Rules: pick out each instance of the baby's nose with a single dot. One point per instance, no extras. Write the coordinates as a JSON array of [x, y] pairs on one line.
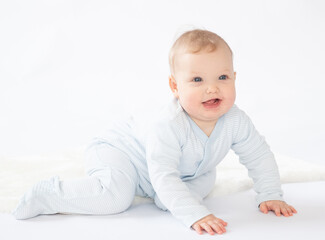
[[212, 89]]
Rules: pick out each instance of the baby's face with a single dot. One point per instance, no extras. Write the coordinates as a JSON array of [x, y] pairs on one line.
[[204, 83]]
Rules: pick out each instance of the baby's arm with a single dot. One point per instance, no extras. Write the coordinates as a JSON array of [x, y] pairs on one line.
[[201, 187], [163, 152], [257, 157]]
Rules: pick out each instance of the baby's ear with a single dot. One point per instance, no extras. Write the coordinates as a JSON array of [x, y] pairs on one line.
[[173, 85], [235, 75]]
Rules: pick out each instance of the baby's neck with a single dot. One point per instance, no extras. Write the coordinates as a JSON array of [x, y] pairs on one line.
[[206, 127]]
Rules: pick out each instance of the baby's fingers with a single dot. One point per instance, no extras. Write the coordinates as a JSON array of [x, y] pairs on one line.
[[222, 222], [285, 212], [277, 211], [218, 227], [207, 228], [290, 210], [197, 228], [263, 208], [293, 209]]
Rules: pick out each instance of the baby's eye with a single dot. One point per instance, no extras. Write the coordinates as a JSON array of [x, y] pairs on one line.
[[197, 79], [223, 77]]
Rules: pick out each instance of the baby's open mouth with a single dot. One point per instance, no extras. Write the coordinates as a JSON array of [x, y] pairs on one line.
[[211, 101]]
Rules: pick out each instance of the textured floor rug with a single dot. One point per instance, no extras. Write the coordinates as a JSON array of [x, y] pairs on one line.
[[18, 174]]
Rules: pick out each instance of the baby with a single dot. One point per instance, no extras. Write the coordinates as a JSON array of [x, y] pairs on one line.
[[171, 157]]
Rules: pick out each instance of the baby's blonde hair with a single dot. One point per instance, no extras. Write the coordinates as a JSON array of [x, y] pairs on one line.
[[194, 41]]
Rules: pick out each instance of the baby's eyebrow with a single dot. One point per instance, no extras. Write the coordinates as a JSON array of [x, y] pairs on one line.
[[226, 70]]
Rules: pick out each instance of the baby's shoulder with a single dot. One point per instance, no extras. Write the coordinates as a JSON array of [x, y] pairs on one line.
[[234, 113], [169, 116], [236, 117]]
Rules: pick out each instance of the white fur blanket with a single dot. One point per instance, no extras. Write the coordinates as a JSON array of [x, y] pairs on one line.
[[18, 174]]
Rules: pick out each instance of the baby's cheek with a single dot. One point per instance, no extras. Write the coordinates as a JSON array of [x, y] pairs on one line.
[[230, 95], [192, 103], [186, 98]]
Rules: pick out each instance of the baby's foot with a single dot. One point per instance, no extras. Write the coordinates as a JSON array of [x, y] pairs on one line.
[[38, 200]]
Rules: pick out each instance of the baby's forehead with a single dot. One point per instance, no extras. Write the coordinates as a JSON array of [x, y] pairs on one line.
[[201, 62], [222, 47], [221, 53]]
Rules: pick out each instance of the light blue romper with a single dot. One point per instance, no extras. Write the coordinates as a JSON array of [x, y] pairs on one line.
[[164, 156]]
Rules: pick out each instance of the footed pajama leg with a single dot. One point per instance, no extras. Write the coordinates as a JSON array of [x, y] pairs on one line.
[[109, 187]]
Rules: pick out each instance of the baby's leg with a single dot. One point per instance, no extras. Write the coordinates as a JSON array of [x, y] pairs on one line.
[[109, 188]]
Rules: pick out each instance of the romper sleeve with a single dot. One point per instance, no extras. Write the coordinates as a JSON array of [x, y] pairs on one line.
[[163, 152], [255, 154]]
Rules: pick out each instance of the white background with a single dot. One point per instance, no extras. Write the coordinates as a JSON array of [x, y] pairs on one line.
[[67, 68]]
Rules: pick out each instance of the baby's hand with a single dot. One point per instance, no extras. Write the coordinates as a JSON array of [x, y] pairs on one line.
[[211, 224], [278, 207]]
